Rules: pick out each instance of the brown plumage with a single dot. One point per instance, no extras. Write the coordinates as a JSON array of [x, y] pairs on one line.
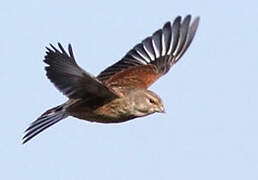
[[120, 92]]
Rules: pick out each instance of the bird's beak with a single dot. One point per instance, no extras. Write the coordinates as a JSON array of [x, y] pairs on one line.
[[162, 110]]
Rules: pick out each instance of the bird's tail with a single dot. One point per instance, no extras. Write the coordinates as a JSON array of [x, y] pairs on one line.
[[47, 119]]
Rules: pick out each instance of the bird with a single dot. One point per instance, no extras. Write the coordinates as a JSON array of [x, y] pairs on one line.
[[120, 92]]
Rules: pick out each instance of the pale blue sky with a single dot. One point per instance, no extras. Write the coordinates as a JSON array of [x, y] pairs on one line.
[[211, 96]]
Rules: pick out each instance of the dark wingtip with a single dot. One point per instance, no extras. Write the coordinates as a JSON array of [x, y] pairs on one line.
[[167, 25], [24, 141], [59, 44], [178, 19], [188, 16], [187, 20], [48, 49], [197, 18], [70, 50], [24, 138], [53, 47], [196, 22]]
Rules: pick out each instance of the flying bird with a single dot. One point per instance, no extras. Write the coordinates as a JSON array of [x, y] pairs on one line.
[[120, 92]]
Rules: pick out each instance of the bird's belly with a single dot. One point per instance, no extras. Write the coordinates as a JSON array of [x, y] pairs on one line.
[[111, 112], [100, 118]]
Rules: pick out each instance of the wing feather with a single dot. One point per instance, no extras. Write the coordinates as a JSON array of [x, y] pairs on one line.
[[156, 53], [71, 79]]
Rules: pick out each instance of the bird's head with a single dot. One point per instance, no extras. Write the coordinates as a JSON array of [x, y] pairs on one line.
[[146, 102]]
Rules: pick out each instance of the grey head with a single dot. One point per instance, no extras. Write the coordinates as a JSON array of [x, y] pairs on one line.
[[145, 102]]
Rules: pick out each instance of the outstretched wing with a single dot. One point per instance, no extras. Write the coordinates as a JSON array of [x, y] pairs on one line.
[[69, 78], [153, 57]]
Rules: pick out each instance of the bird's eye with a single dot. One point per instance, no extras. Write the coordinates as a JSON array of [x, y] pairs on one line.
[[152, 101]]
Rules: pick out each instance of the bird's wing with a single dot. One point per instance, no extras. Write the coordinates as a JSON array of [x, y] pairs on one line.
[[153, 57], [70, 78]]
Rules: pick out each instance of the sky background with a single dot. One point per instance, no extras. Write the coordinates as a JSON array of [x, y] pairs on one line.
[[211, 95]]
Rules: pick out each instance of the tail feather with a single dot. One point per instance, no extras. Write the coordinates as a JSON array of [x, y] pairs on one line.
[[47, 119]]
